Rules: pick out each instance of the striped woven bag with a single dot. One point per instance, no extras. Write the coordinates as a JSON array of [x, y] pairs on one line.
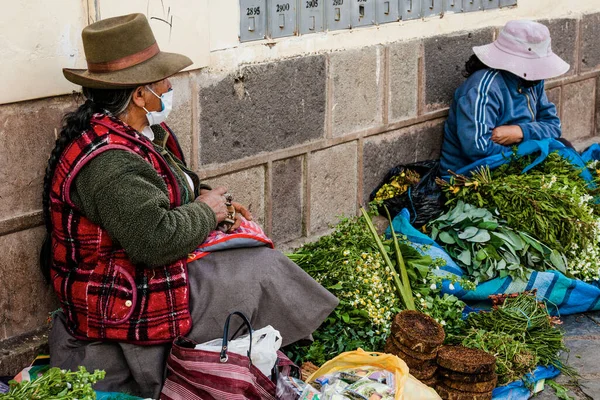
[[199, 374]]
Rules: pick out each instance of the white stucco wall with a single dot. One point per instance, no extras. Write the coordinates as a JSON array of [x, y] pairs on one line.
[[40, 37]]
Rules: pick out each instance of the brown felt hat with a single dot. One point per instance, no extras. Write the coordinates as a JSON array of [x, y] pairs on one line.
[[121, 52]]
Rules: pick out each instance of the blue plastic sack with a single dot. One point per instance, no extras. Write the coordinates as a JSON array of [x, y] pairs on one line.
[[518, 390], [563, 295], [544, 148]]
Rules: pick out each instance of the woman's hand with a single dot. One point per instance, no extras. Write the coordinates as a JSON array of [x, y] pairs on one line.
[[216, 200], [507, 135], [240, 211]]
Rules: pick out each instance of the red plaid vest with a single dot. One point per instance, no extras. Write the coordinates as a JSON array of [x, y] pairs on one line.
[[103, 294]]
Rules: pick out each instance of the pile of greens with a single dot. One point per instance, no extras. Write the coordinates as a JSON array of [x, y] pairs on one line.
[[520, 333], [551, 202], [374, 279], [486, 248], [56, 384]]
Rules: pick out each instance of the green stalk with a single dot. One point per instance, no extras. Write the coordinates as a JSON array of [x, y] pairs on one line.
[[387, 260], [401, 265]]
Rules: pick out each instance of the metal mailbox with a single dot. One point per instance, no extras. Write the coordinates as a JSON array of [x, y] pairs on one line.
[[432, 7], [282, 18], [471, 5], [453, 6], [410, 9], [337, 14], [387, 11], [508, 3], [253, 20], [311, 16], [363, 12], [490, 4]]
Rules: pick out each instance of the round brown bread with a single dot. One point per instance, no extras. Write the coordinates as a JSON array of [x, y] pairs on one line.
[[432, 382], [417, 331], [465, 360], [414, 354], [466, 378], [409, 360], [447, 393], [477, 387], [389, 347], [423, 373]]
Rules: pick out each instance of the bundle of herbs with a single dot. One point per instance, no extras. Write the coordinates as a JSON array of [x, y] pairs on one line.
[[350, 265], [555, 208], [520, 333], [397, 185], [374, 279], [486, 248], [56, 384]]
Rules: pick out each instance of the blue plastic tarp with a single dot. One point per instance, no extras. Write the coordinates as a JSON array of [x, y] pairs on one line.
[[544, 148]]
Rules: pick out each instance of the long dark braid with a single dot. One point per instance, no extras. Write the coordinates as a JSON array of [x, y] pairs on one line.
[[473, 65], [108, 101]]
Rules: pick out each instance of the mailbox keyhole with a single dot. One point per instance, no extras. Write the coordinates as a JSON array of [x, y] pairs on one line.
[[410, 6], [282, 21], [338, 14], [313, 23], [251, 24], [386, 8], [432, 5], [361, 11]]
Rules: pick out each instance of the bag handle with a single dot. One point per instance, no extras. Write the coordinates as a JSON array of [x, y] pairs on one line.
[[224, 357]]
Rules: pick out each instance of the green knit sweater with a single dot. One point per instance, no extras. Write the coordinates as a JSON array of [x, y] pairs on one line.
[[121, 192]]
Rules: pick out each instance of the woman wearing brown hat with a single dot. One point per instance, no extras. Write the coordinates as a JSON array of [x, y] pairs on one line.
[[123, 212]]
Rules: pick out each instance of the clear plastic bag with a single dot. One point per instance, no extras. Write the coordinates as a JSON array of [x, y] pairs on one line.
[[406, 386], [265, 343]]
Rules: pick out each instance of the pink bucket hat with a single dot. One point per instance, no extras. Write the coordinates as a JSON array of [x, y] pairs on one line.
[[523, 48]]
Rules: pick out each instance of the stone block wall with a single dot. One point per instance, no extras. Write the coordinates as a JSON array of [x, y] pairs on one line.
[[301, 141]]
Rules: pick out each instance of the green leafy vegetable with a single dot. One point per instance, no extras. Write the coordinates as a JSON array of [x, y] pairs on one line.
[[486, 248], [56, 384], [520, 333]]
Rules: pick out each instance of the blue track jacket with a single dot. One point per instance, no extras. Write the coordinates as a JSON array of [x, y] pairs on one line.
[[490, 98]]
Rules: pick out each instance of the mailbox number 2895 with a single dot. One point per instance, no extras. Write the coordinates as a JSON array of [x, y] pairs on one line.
[[253, 11]]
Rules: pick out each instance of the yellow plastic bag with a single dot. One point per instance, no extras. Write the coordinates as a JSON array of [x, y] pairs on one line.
[[407, 386]]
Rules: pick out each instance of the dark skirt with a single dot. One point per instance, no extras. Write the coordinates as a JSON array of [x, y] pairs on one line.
[[262, 283]]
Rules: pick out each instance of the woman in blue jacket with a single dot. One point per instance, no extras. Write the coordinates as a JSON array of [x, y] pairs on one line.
[[503, 101]]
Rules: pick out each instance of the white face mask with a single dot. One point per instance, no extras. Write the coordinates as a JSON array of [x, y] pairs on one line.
[[166, 100]]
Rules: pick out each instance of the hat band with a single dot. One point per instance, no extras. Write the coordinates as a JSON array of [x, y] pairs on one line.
[[125, 62]]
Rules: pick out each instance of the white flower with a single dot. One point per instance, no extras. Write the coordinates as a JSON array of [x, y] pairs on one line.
[[433, 286], [419, 295], [443, 323], [451, 286]]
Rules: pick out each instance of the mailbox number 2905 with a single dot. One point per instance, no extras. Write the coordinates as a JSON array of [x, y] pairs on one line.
[[283, 7], [253, 11], [312, 4]]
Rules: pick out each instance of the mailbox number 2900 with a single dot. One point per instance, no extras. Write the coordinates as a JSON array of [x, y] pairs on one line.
[[283, 7], [338, 2], [253, 11]]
